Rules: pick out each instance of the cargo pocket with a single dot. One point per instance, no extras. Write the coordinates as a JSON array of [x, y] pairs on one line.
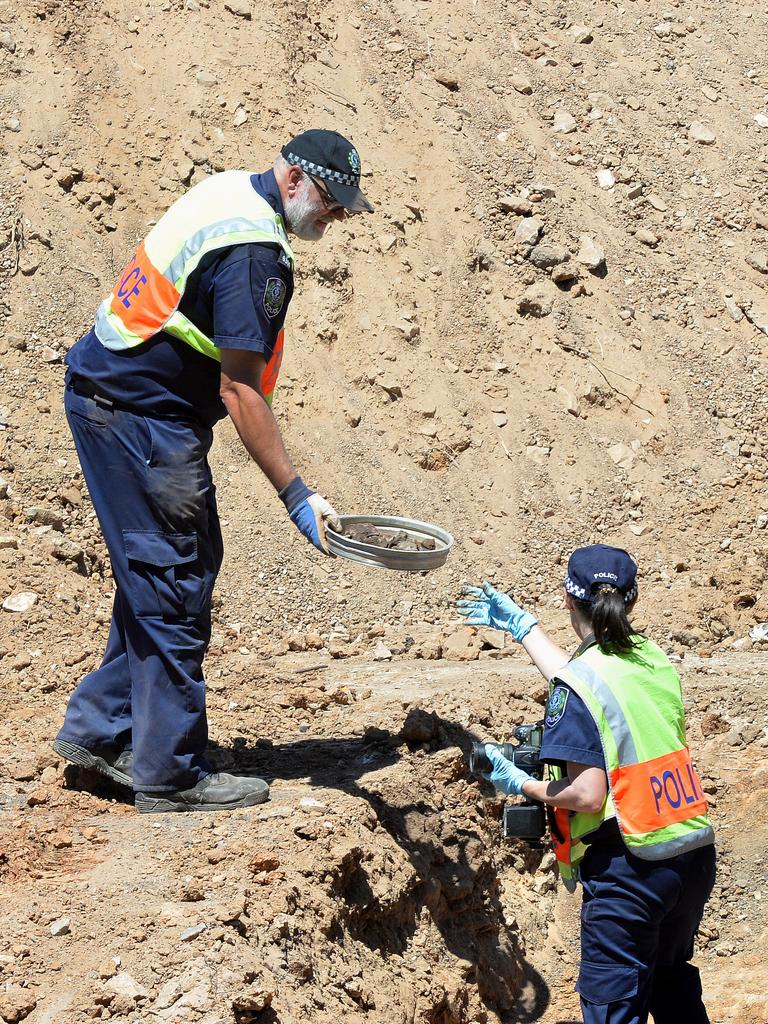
[[165, 574], [606, 983]]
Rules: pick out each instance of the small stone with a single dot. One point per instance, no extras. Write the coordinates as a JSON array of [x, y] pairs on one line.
[[500, 419], [537, 301], [31, 160], [622, 455], [590, 254], [605, 178], [762, 120], [712, 94], [564, 123], [580, 34], [657, 203], [547, 254], [381, 652], [16, 1003], [528, 231], [8, 541], [20, 602], [447, 78], [386, 242], [191, 933], [564, 273], [758, 261], [735, 312], [477, 538], [515, 204], [241, 116], [569, 400], [310, 805], [50, 355], [206, 78], [124, 985], [635, 191], [60, 927], [701, 133], [108, 968], [646, 237], [7, 42], [168, 994], [521, 84], [240, 8]]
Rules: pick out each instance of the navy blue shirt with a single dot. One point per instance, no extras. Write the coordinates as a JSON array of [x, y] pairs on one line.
[[227, 297], [571, 734]]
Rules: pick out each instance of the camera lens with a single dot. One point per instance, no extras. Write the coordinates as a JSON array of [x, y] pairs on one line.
[[478, 759]]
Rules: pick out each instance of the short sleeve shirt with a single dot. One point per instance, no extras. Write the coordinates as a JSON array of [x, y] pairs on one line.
[[238, 297], [570, 734]]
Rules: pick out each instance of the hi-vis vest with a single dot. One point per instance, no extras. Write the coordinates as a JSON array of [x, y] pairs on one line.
[[220, 211], [653, 789]]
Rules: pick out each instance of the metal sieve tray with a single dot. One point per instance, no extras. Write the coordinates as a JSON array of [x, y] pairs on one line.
[[389, 558]]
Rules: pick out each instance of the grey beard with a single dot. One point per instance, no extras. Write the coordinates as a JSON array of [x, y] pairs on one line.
[[300, 214]]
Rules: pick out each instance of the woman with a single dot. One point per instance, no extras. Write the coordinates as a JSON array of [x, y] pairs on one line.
[[630, 818]]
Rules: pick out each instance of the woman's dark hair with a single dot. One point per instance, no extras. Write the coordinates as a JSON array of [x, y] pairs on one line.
[[607, 615]]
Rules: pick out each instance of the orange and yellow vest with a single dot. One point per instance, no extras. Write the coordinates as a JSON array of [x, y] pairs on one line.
[[218, 212], [654, 792]]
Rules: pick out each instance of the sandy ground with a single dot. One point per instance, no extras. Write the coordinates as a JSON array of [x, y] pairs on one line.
[[551, 332]]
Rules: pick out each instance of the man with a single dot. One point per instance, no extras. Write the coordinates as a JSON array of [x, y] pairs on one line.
[[192, 331]]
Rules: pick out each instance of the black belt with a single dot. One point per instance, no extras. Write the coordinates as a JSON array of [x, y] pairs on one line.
[[87, 389]]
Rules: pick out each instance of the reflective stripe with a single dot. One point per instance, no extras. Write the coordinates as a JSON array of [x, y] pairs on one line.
[[704, 835], [222, 234], [183, 328], [625, 745]]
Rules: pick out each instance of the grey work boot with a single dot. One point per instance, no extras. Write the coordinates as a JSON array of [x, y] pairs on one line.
[[215, 792], [117, 769]]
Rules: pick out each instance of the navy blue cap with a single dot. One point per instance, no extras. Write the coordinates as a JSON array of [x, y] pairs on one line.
[[598, 563], [328, 155]]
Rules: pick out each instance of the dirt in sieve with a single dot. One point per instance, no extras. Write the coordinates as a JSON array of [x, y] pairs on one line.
[[398, 540]]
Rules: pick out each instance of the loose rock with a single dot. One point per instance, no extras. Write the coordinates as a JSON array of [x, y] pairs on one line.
[[701, 133], [590, 254]]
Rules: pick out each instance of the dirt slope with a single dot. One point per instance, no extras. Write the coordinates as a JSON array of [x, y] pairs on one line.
[[452, 357]]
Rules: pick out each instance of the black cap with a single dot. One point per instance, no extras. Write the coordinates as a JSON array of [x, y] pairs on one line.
[[328, 155]]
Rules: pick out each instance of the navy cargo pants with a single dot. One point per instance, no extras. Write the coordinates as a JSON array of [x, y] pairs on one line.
[[638, 922], [151, 488]]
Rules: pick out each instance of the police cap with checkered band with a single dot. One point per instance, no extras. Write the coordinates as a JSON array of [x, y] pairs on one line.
[[598, 564], [332, 158]]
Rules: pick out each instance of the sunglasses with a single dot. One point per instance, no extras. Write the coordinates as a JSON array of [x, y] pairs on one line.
[[330, 204]]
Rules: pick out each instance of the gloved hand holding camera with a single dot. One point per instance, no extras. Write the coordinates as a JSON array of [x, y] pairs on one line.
[[505, 776], [487, 606]]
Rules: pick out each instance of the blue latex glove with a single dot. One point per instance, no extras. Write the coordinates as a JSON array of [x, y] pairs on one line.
[[506, 776], [309, 512], [494, 608]]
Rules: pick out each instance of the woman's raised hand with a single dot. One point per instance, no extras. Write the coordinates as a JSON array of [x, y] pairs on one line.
[[486, 606]]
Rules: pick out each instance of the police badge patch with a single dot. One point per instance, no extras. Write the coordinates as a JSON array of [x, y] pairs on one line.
[[274, 296], [556, 705], [354, 161]]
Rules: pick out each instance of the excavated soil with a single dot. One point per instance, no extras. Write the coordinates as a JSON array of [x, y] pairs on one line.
[[551, 332]]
